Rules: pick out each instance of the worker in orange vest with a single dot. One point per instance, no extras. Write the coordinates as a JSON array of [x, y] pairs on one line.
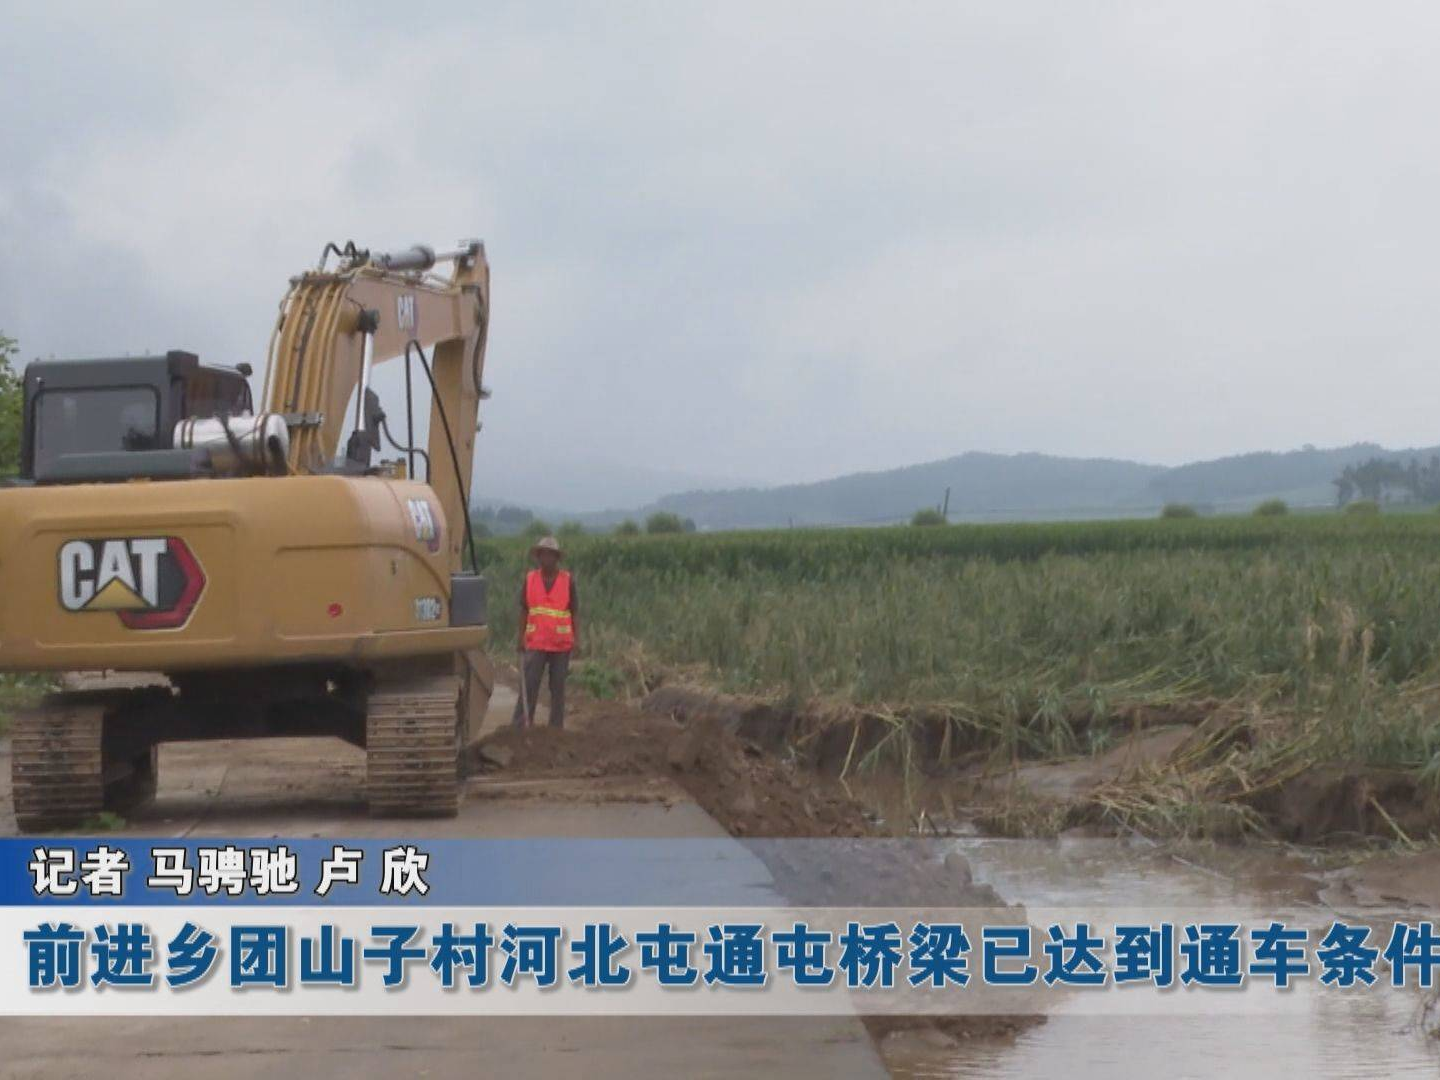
[[549, 632]]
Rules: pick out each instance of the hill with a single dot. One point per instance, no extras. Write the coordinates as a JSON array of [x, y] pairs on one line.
[[1302, 477], [1019, 487], [994, 486]]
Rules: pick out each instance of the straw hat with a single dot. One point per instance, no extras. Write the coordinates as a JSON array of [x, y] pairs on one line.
[[547, 543]]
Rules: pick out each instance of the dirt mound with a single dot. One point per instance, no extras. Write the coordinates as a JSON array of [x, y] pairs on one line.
[[753, 719], [748, 791]]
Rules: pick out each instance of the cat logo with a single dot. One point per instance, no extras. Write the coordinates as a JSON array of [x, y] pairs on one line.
[[151, 583]]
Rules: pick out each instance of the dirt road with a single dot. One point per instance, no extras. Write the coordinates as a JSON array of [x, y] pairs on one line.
[[304, 788]]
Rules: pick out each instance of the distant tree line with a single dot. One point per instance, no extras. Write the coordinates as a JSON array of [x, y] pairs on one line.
[[1379, 479], [664, 521], [11, 394], [517, 521], [500, 520]]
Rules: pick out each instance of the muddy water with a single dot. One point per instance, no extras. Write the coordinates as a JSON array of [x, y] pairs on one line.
[[1307, 1031]]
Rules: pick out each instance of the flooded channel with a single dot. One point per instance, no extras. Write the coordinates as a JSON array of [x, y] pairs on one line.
[[1308, 1030]]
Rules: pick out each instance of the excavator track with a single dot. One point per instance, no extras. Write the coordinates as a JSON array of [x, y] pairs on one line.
[[66, 766], [57, 766], [412, 746]]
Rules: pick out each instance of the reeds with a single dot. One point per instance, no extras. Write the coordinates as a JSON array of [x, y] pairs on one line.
[[1037, 640]]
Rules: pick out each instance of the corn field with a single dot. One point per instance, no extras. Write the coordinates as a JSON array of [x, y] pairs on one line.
[[1042, 634]]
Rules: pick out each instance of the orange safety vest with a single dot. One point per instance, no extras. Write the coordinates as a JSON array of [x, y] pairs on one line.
[[547, 626]]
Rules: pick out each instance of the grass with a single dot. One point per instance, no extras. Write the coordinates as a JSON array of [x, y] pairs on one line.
[[599, 680], [1039, 639], [103, 822]]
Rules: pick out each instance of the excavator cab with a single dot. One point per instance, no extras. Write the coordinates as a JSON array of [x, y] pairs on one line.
[[83, 419]]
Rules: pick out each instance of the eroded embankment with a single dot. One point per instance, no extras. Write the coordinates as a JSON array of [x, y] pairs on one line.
[[1197, 769]]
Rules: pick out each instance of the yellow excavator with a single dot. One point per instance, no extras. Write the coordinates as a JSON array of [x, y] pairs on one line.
[[265, 580]]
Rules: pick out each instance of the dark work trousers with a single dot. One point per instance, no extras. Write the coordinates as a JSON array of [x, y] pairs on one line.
[[531, 668]]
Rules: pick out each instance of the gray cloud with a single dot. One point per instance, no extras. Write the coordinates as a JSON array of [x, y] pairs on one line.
[[768, 241]]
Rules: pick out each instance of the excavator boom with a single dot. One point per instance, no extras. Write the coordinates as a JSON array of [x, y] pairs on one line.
[[334, 326]]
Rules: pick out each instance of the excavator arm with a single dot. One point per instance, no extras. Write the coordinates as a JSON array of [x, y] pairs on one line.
[[335, 325]]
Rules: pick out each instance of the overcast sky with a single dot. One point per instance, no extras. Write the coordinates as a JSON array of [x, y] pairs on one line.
[[775, 241]]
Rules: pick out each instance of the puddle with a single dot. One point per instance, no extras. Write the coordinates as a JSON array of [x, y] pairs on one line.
[[1307, 1031]]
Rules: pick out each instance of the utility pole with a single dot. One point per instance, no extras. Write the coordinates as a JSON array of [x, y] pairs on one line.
[[945, 510]]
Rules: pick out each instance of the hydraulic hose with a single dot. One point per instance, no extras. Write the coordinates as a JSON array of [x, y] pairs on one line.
[[449, 442]]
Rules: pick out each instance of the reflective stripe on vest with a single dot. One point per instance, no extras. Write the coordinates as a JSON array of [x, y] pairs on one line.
[[547, 623]]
